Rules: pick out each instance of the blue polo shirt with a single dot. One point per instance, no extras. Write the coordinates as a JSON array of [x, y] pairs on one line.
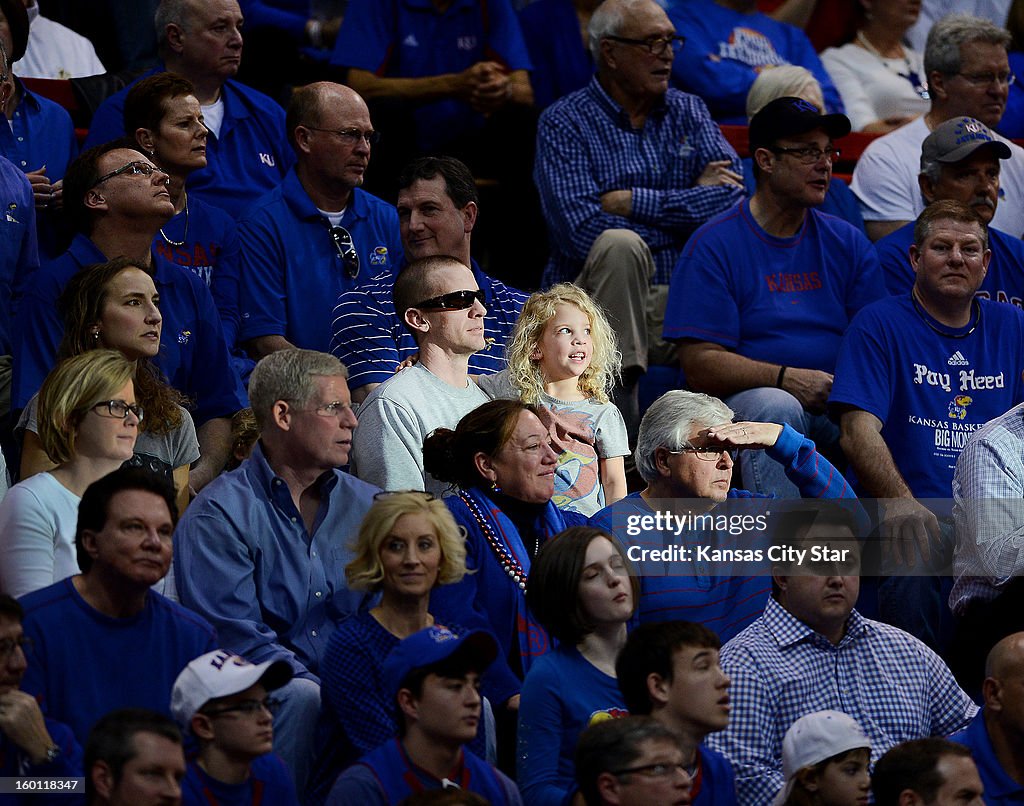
[[19, 256], [1000, 788], [192, 355], [293, 273], [410, 39], [250, 156], [41, 133], [1004, 281]]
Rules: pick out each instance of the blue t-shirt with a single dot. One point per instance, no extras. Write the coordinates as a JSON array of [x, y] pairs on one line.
[[1000, 788], [410, 39], [19, 255], [715, 782], [563, 694], [193, 355], [727, 49], [1004, 281], [249, 157], [85, 664], [209, 251], [561, 62], [268, 783], [782, 300], [930, 391], [15, 764], [293, 272], [41, 133]]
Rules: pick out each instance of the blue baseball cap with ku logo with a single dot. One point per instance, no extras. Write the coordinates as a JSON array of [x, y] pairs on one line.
[[433, 646], [787, 116]]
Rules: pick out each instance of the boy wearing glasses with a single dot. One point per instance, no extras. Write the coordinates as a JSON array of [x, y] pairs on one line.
[[222, 699]]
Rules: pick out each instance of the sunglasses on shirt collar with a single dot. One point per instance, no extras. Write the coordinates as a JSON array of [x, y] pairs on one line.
[[453, 301]]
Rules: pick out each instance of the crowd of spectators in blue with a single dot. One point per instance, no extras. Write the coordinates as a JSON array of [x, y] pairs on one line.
[[294, 450]]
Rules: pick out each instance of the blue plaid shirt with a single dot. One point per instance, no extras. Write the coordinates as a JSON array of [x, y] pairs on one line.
[[894, 686], [586, 146]]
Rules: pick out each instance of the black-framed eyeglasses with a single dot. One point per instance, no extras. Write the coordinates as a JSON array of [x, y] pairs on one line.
[[652, 770], [987, 79], [245, 707], [342, 240], [427, 496], [708, 453], [350, 136], [118, 409], [656, 45], [135, 168], [454, 301], [8, 645], [808, 155]]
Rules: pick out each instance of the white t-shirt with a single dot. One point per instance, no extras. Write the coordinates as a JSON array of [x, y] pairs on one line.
[[885, 180], [54, 51]]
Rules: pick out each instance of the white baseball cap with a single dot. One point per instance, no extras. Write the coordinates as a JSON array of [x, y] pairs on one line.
[[220, 674], [813, 738]]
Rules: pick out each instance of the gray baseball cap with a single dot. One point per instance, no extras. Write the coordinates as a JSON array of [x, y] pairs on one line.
[[957, 139]]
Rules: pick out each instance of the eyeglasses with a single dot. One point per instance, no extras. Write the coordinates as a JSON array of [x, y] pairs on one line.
[[342, 240], [656, 45], [350, 136], [987, 79], [427, 496], [336, 408], [454, 301], [809, 155], [118, 409], [245, 707], [653, 770], [8, 645], [135, 168], [709, 453]]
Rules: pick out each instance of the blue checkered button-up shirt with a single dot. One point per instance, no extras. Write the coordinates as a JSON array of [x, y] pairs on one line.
[[586, 146], [892, 684]]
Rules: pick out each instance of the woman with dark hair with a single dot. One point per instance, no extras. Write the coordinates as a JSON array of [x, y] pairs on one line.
[[500, 460], [582, 592], [39, 138], [163, 115], [114, 305]]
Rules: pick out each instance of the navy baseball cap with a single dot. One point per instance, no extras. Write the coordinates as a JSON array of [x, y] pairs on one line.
[[787, 116], [433, 645]]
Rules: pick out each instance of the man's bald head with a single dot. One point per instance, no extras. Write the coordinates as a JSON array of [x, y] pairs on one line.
[[1006, 658], [311, 103]]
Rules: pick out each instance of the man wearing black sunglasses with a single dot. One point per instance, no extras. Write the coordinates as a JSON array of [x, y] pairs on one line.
[[317, 234], [438, 300]]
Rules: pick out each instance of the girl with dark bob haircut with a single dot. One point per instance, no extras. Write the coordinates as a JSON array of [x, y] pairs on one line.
[[583, 592]]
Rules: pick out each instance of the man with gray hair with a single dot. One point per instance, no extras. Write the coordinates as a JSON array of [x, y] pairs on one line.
[[262, 551], [968, 75], [619, 213], [961, 161], [247, 151], [685, 452]]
